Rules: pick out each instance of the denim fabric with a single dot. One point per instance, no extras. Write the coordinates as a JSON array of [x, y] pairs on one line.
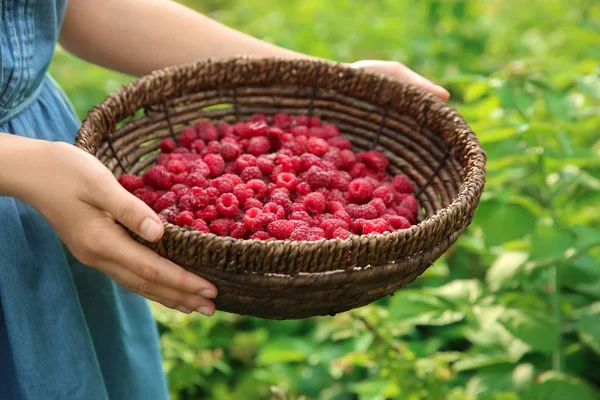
[[66, 331]]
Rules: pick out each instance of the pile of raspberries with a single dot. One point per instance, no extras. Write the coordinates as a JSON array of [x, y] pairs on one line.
[[295, 178]]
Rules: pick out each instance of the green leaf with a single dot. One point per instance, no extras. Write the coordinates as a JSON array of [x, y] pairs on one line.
[[384, 388], [559, 105], [476, 90], [419, 308], [535, 328], [505, 270], [461, 291], [283, 351], [479, 361], [588, 326], [550, 241], [554, 385], [586, 236], [491, 135], [503, 222]]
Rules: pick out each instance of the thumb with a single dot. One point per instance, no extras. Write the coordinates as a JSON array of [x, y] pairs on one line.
[[132, 212]]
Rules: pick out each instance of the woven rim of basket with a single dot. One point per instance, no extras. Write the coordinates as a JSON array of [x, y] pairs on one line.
[[303, 256]]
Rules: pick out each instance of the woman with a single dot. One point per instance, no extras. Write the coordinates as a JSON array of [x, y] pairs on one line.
[[68, 331]]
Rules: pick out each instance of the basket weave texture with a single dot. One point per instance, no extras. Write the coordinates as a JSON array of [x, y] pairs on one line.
[[424, 138]]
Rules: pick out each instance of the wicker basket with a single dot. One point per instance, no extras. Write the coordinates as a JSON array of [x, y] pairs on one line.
[[423, 137]]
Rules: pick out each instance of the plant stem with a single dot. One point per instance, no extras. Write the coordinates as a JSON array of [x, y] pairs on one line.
[[555, 283], [378, 335]]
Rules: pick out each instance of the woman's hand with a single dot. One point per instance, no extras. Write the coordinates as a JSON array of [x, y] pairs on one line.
[[404, 74], [81, 200]]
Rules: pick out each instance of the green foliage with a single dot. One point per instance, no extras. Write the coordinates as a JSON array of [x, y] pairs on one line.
[[512, 311]]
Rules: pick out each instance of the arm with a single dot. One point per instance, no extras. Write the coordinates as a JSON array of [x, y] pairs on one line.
[[139, 36]]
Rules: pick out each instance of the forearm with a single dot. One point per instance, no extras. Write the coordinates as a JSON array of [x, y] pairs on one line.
[[139, 36]]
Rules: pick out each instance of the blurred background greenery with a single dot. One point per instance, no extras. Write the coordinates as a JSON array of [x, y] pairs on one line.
[[512, 311]]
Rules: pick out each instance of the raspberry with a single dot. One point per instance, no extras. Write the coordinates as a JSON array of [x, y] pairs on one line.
[[187, 136], [227, 205], [314, 121], [225, 130], [260, 117], [265, 165], [317, 177], [360, 190], [316, 234], [198, 145], [402, 184], [341, 233], [331, 130], [409, 203], [213, 147], [375, 160], [300, 233], [240, 231], [180, 178], [403, 212], [281, 198], [245, 161], [317, 146], [180, 186], [333, 157], [303, 188], [196, 179], [366, 211], [251, 203], [251, 215], [384, 193], [260, 235], [256, 129], [131, 183], [379, 225], [280, 229], [189, 202], [300, 120], [168, 146], [213, 194], [340, 142], [221, 226], [398, 222], [339, 180], [208, 213], [182, 192], [206, 131], [165, 201], [347, 159], [281, 120], [230, 151], [201, 226], [242, 193], [181, 150], [357, 225], [163, 160], [359, 169], [201, 195], [318, 132], [333, 206], [250, 173], [287, 180], [338, 195], [184, 218], [343, 215], [258, 145], [169, 214], [158, 177], [146, 196], [299, 215], [176, 166], [258, 187], [224, 184], [200, 167], [215, 163], [262, 220], [379, 205], [274, 209], [314, 203], [330, 225]]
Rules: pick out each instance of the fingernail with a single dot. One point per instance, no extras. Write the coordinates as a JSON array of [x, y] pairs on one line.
[[183, 309], [443, 91], [150, 229], [207, 293], [205, 310]]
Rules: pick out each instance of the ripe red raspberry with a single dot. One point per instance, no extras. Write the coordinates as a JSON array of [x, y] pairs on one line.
[[168, 145], [201, 196], [259, 117], [314, 121], [198, 146], [378, 225], [360, 190], [300, 216], [251, 215], [200, 167], [358, 169], [379, 205], [366, 211], [317, 177], [287, 180], [189, 202], [314, 203], [187, 136], [244, 161], [260, 235], [265, 165], [317, 146], [181, 150], [338, 195], [148, 197], [251, 203], [131, 183], [250, 173], [213, 147], [208, 213], [177, 187], [261, 221], [339, 180], [213, 194], [176, 166], [303, 188], [215, 163], [196, 179], [280, 229], [331, 224], [409, 203], [158, 177], [333, 206], [240, 231], [241, 129], [357, 226], [397, 222], [331, 130], [403, 212], [309, 160], [183, 192], [180, 178], [258, 145], [341, 233], [384, 193], [206, 131], [201, 226], [163, 160], [256, 129], [169, 214], [318, 132], [242, 193], [225, 130], [221, 226], [258, 187], [316, 234], [297, 206], [333, 158], [281, 120], [347, 159], [274, 208], [375, 160], [227, 205], [343, 215], [340, 142], [300, 120], [167, 200], [224, 184], [300, 233], [184, 218], [230, 151], [402, 184], [281, 198]]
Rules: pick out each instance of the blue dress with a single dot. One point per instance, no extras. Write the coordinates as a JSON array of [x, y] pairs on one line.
[[66, 331]]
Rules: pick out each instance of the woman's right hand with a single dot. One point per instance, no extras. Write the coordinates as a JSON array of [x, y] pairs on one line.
[[82, 201]]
